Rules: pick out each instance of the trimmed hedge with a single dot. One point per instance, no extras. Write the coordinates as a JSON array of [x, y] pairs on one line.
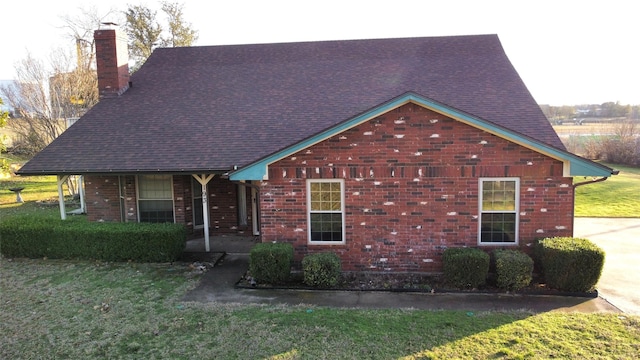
[[514, 269], [33, 237], [465, 267], [571, 264], [321, 269], [271, 262]]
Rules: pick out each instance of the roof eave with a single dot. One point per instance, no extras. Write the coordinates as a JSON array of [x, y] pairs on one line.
[[118, 172]]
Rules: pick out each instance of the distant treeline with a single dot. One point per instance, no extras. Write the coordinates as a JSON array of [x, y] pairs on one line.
[[605, 110]]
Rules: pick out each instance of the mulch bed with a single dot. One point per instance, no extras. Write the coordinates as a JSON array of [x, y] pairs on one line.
[[407, 282]]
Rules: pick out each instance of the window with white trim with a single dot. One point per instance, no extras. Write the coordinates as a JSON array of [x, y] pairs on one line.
[[325, 204], [155, 198], [499, 203]]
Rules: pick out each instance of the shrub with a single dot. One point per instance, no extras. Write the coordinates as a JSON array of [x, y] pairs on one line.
[[571, 264], [33, 237], [465, 267], [321, 269], [514, 269], [271, 262]]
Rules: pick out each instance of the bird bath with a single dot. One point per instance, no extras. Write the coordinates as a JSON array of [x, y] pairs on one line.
[[17, 190]]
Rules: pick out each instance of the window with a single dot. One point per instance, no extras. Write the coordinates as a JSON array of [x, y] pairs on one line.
[[155, 198], [325, 199], [499, 202]]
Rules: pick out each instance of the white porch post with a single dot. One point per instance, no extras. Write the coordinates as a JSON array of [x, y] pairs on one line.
[[254, 211], [61, 180], [204, 180], [83, 206]]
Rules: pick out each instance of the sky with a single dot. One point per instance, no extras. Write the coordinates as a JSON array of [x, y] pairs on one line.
[[568, 52]]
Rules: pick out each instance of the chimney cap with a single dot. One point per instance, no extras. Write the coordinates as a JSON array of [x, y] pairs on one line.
[[110, 25]]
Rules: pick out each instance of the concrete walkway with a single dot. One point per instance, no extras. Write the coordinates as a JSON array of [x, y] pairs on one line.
[[620, 239], [619, 287]]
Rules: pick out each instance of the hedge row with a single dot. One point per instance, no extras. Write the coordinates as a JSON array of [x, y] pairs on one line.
[[34, 237], [270, 263], [568, 264]]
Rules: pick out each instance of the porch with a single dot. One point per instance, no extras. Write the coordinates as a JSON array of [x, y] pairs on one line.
[[224, 243]]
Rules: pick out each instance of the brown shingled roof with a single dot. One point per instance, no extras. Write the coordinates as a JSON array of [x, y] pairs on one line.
[[210, 108]]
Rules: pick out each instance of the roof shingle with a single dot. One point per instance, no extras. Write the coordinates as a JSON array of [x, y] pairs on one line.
[[210, 108]]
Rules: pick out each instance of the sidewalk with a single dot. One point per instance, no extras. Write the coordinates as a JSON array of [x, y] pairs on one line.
[[620, 240], [218, 285]]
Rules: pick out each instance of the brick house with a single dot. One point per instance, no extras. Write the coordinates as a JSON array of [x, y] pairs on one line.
[[384, 151]]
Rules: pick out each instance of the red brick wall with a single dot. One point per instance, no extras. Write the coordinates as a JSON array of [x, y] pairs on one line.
[[223, 202], [130, 197], [411, 190], [182, 199], [102, 195]]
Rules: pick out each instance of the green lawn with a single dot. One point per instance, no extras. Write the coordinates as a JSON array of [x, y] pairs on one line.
[[40, 197], [618, 196], [92, 310], [67, 309]]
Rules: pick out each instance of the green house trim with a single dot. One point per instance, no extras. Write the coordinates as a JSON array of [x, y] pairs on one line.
[[573, 165]]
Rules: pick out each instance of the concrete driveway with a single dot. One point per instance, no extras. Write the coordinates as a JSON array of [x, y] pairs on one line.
[[620, 239]]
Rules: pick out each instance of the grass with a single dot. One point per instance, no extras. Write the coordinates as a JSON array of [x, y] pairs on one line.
[[65, 309], [75, 309], [40, 197], [618, 196]]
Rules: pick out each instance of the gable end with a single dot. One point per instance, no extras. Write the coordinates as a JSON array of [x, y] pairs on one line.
[[573, 165]]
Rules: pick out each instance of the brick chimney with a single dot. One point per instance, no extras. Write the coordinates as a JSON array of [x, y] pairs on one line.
[[112, 61]]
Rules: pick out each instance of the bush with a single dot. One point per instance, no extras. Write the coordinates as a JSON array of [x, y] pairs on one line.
[[321, 269], [271, 262], [33, 237], [514, 269], [571, 264], [465, 267]]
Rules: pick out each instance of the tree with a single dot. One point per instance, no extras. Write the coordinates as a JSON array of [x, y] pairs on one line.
[[146, 33], [4, 115], [80, 30], [44, 95], [180, 33], [47, 93]]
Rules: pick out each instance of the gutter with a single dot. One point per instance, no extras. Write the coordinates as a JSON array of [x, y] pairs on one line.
[[589, 182], [614, 172]]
